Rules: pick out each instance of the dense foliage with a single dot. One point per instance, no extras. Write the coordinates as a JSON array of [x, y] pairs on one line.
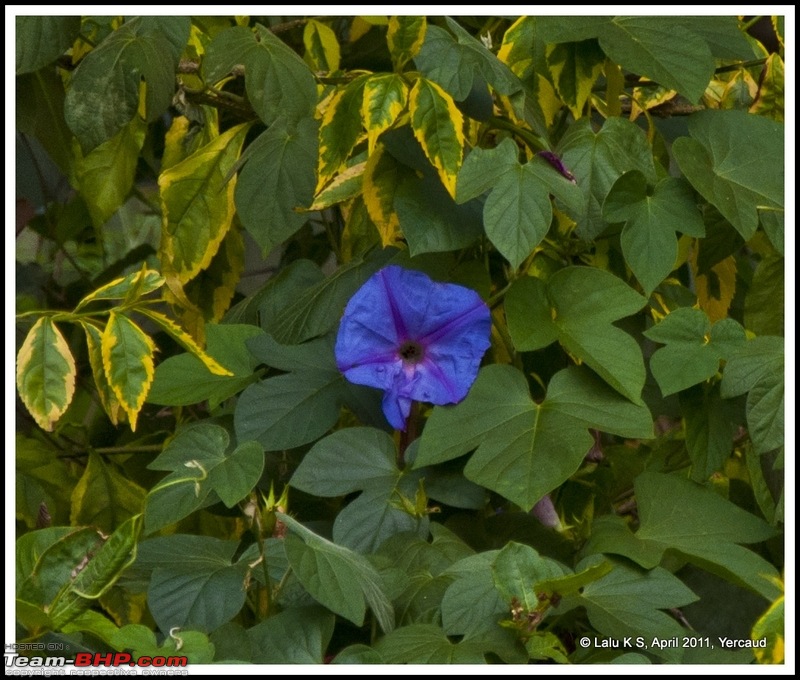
[[199, 198]]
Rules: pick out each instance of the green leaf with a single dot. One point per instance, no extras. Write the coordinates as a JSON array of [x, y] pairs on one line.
[[651, 218], [103, 96], [197, 204], [277, 179], [404, 38], [41, 477], [515, 437], [764, 302], [128, 363], [518, 212], [195, 581], [294, 636], [454, 62], [278, 83], [41, 40], [517, 570], [322, 47], [385, 98], [360, 459], [438, 127], [45, 373], [340, 129], [644, 45], [699, 524], [575, 67], [598, 159], [275, 412], [578, 306], [628, 602], [341, 580], [319, 307], [757, 368], [46, 559], [693, 348], [431, 220], [105, 175], [98, 575], [471, 603], [141, 641], [711, 423], [718, 158], [358, 654], [40, 114], [197, 458], [104, 497], [428, 644], [184, 379]]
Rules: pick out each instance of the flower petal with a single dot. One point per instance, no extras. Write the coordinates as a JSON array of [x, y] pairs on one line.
[[396, 409], [450, 323]]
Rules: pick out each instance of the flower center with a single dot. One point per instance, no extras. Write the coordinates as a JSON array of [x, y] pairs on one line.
[[412, 352]]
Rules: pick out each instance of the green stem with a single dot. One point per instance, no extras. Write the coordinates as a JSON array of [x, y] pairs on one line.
[[145, 448], [534, 142], [751, 23], [408, 435], [740, 65]]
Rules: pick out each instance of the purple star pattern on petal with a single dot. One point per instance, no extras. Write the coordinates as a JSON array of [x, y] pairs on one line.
[[413, 338]]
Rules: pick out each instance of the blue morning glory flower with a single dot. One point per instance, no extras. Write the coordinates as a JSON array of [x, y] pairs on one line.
[[414, 338]]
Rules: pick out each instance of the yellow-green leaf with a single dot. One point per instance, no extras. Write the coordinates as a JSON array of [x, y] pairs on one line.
[[186, 341], [575, 67], [108, 399], [45, 373], [346, 185], [213, 289], [103, 497], [439, 127], [105, 175], [404, 37], [385, 97], [770, 101], [382, 178], [197, 204], [340, 129], [716, 287], [322, 48], [185, 136], [128, 363], [516, 50], [145, 281], [771, 627]]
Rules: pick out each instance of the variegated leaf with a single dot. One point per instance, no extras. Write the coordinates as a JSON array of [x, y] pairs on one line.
[[346, 185], [382, 178], [575, 67], [197, 203], [340, 129], [128, 362], [438, 127], [404, 37], [385, 98], [45, 373], [146, 281], [186, 341], [322, 47], [109, 401]]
